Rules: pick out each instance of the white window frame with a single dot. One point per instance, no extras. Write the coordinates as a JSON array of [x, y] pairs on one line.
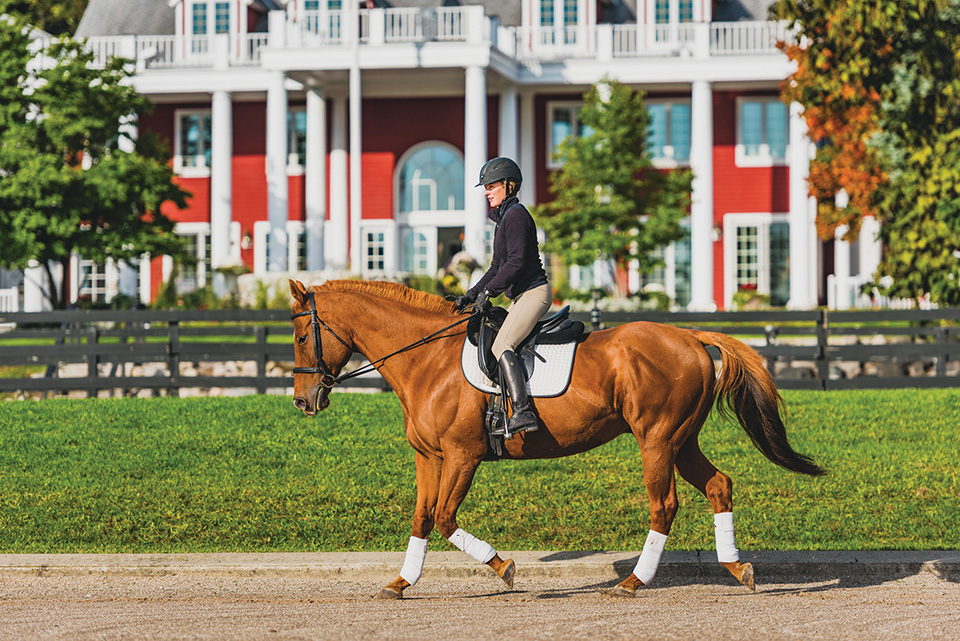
[[261, 238], [111, 276], [764, 158], [762, 222], [430, 236], [576, 106], [197, 229], [389, 248], [667, 161], [200, 170]]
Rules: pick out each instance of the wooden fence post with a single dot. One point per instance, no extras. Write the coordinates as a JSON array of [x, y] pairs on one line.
[[823, 361], [173, 357], [261, 333], [93, 360]]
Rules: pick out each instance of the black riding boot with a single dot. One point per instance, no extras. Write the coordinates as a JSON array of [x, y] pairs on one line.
[[524, 419]]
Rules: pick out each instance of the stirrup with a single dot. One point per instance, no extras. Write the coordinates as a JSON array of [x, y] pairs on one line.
[[523, 421]]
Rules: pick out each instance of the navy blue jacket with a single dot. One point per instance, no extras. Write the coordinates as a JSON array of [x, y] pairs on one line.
[[516, 265]]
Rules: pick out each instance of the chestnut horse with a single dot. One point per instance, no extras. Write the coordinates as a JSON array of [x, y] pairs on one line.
[[654, 381]]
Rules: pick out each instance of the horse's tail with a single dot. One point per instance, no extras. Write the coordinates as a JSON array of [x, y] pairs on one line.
[[745, 388]]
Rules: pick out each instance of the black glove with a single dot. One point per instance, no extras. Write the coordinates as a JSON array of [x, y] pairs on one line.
[[482, 303], [461, 302]]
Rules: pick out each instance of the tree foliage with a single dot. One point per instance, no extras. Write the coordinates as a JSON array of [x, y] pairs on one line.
[[67, 187], [610, 202], [880, 85], [56, 17]]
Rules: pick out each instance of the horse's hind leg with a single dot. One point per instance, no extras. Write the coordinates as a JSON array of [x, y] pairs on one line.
[[699, 472], [658, 476]]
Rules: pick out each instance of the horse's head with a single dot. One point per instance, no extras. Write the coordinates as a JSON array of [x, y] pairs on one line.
[[319, 353]]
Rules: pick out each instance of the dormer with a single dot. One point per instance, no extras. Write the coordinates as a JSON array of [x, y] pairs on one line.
[[212, 17]]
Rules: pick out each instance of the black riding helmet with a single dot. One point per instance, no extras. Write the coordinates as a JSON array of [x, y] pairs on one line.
[[499, 169]]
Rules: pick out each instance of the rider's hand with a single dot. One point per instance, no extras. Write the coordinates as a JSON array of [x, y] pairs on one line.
[[482, 303], [461, 302]]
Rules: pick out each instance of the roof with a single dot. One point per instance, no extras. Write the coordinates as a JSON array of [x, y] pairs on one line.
[[126, 17]]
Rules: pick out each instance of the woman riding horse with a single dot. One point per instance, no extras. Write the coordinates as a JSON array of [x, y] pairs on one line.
[[516, 271]]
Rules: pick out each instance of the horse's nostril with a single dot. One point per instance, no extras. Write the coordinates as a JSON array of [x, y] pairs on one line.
[[299, 403]]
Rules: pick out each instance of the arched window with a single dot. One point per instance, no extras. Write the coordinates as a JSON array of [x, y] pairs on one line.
[[431, 179]]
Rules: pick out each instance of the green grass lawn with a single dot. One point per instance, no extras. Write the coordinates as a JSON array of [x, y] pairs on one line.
[[254, 474]]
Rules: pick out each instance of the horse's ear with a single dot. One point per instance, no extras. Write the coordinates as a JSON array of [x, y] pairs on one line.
[[298, 291]]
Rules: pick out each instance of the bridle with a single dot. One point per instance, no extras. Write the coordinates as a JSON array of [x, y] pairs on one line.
[[327, 379], [321, 368]]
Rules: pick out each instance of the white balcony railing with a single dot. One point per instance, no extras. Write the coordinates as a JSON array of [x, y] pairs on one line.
[[324, 28]]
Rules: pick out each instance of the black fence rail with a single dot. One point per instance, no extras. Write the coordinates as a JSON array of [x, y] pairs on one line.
[[111, 350], [110, 346]]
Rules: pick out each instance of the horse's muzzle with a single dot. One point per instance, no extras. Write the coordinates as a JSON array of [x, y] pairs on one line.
[[322, 402]]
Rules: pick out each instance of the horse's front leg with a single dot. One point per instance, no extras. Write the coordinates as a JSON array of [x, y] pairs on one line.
[[456, 477], [428, 488]]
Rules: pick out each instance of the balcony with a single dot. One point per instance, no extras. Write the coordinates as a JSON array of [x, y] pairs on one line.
[[381, 27]]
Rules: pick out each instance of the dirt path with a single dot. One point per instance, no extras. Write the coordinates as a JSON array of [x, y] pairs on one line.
[[923, 606]]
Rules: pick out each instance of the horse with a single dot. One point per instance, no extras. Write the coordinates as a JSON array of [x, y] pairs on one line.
[[654, 381]]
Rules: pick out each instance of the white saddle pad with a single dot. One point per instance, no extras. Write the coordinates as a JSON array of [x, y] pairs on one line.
[[549, 378]]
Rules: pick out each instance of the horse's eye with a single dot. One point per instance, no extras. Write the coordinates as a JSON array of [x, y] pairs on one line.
[[302, 339]]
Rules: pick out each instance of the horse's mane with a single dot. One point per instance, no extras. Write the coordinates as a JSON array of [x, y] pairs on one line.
[[390, 291]]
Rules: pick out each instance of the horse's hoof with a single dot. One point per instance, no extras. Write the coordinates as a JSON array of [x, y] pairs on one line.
[[390, 594], [747, 577], [620, 592], [509, 570]]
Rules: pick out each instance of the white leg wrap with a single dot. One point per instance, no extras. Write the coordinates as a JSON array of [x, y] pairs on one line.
[[413, 562], [650, 557], [727, 551], [479, 550]]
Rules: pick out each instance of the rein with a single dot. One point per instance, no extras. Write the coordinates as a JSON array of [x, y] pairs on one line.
[[327, 379]]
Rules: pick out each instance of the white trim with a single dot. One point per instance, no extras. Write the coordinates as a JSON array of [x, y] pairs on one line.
[[425, 217], [294, 167], [196, 229], [762, 221], [389, 230], [763, 158]]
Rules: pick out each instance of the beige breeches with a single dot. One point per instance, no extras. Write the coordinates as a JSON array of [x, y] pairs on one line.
[[522, 315]]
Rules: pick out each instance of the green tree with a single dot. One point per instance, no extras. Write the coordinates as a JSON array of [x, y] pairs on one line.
[[610, 202], [67, 187], [56, 17], [880, 85]]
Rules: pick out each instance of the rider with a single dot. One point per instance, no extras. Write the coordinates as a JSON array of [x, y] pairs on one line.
[[515, 270]]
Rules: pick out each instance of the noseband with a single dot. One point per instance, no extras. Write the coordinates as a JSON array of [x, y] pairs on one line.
[[327, 379]]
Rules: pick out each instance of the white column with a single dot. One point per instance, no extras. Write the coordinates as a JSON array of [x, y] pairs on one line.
[[336, 240], [356, 151], [841, 268], [474, 155], [508, 123], [221, 186], [277, 172], [870, 247], [701, 207], [801, 269], [315, 187], [528, 167]]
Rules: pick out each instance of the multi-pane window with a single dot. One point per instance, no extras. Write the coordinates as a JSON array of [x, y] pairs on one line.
[[686, 10], [431, 179], [564, 122], [297, 137], [661, 11], [194, 139], [670, 130], [374, 251], [194, 276], [222, 17], [748, 257], [93, 281], [763, 131], [779, 263], [546, 13], [416, 252], [198, 14]]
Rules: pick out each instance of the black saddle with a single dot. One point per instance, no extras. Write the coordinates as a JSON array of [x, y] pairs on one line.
[[553, 330]]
